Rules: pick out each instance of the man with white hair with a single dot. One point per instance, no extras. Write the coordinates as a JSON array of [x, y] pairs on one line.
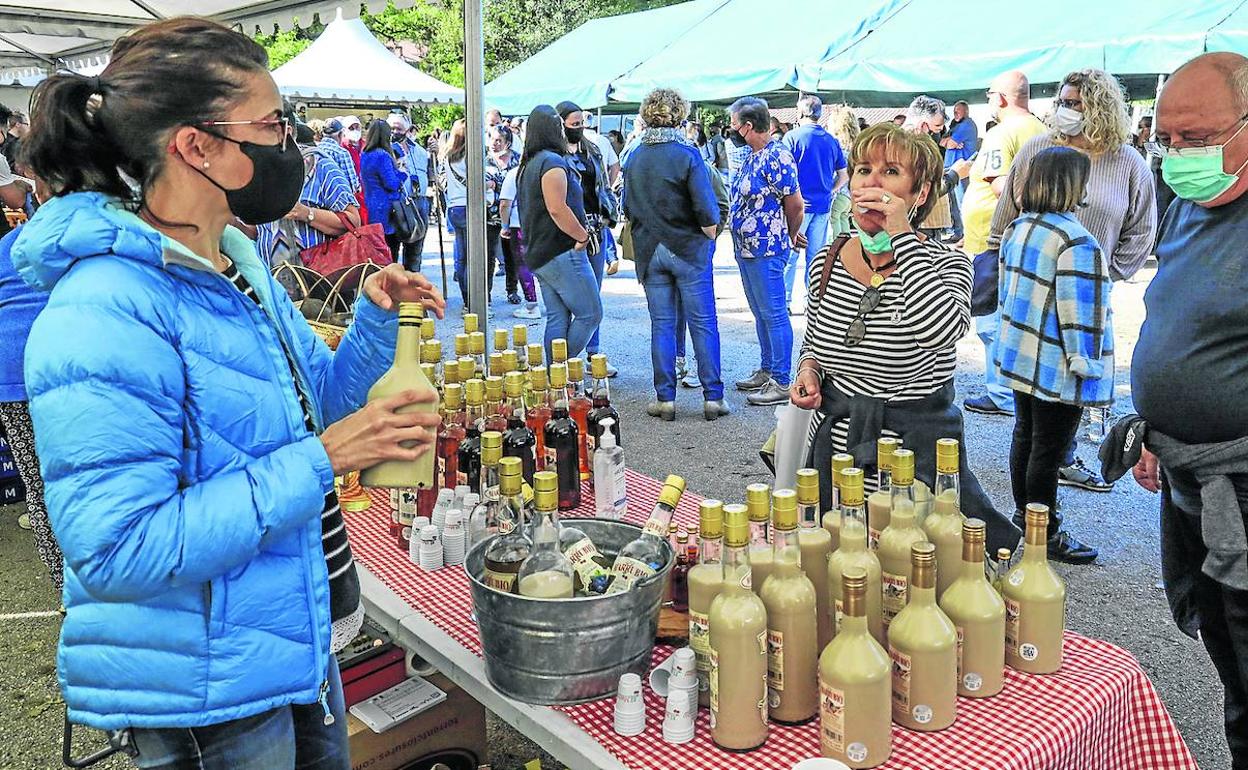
[[926, 115], [331, 147], [821, 172], [417, 164], [1189, 368]]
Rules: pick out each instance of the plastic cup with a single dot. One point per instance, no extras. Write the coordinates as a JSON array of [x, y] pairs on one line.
[[820, 763], [661, 674]]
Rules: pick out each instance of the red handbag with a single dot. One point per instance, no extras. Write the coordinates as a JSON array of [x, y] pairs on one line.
[[358, 245]]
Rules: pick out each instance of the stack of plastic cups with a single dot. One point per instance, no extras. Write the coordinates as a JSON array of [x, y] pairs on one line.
[[454, 538], [630, 708], [413, 546], [430, 554], [461, 491], [471, 501], [682, 698], [446, 501]]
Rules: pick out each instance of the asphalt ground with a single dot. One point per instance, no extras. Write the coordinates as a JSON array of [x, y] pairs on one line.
[[1117, 599]]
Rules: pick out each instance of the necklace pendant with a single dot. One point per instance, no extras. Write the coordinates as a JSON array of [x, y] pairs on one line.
[[876, 280]]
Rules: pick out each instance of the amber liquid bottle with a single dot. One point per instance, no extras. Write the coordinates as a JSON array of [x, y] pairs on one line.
[[563, 442], [450, 435], [579, 406], [476, 349], [538, 413], [518, 440], [680, 573], [601, 405], [469, 471], [431, 353]]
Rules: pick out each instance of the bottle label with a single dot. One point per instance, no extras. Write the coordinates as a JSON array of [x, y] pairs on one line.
[[775, 661], [896, 590], [901, 680], [1015, 578], [747, 580], [856, 752], [972, 682], [655, 526], [551, 457], [922, 714], [441, 467], [407, 506], [505, 526], [831, 719], [839, 613], [1012, 611], [714, 683], [1028, 651], [627, 572], [700, 643], [501, 581], [461, 478]]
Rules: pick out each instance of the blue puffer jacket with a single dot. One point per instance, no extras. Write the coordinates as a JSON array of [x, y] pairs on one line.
[[181, 482]]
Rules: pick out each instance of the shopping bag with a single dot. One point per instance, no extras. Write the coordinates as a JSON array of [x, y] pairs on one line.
[[356, 246], [987, 267], [789, 443]]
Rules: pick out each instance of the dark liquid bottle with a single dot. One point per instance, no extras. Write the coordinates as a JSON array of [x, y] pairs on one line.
[[686, 557], [469, 471], [519, 440], [601, 406], [563, 442]]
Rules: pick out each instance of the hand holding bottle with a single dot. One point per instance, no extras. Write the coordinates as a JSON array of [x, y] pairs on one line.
[[373, 434], [392, 284]]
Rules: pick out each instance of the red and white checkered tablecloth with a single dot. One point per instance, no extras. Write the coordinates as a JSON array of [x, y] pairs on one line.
[[1099, 711]]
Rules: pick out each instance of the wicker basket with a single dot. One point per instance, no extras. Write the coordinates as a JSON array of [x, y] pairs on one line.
[[331, 319]]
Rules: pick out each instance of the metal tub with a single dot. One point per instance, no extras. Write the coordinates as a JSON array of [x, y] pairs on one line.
[[559, 652]]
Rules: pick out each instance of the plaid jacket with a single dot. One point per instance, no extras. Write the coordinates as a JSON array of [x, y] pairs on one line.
[[1055, 340]]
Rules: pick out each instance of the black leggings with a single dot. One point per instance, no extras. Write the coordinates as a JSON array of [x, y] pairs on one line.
[[1042, 430], [395, 243]]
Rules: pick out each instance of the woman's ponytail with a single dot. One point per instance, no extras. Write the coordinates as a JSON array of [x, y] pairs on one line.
[[68, 147]]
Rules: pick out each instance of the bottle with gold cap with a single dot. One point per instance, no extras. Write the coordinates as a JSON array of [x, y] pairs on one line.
[[978, 613], [450, 372], [538, 413], [1002, 568], [943, 526], [431, 353], [476, 349], [461, 350], [518, 440], [535, 355], [1035, 602], [923, 644], [901, 533], [855, 684], [880, 503], [547, 573], [471, 323], [511, 361], [602, 409], [705, 579], [738, 641], [646, 554], [450, 435], [495, 415], [508, 551], [520, 343], [498, 364], [792, 628], [468, 369], [816, 543], [579, 406], [469, 471], [501, 341], [758, 508], [483, 519], [404, 375], [563, 441], [430, 371], [559, 351], [832, 518], [428, 329], [854, 553]]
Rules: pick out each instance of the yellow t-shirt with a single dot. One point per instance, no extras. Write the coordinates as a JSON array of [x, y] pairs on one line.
[[995, 157]]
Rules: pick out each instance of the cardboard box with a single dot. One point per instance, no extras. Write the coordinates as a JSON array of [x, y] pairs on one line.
[[453, 733], [373, 675]]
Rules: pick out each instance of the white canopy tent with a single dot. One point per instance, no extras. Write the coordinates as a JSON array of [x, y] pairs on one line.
[[374, 75]]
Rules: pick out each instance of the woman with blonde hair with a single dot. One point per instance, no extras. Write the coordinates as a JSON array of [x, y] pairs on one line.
[[453, 170], [842, 124], [1090, 115]]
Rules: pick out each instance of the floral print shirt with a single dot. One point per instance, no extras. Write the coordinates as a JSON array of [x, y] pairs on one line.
[[759, 228]]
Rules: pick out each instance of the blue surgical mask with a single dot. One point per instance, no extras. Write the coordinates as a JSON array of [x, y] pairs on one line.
[[1196, 173]]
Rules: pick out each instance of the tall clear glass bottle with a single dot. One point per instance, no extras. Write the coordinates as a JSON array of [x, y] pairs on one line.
[[855, 684], [431, 353], [592, 569], [978, 613], [943, 526], [535, 355], [897, 538], [563, 442], [518, 440], [644, 556], [483, 520], [758, 506], [792, 628], [461, 351], [547, 573], [579, 406], [559, 351], [512, 546], [450, 373], [476, 349], [405, 374], [832, 517], [817, 547], [501, 342], [705, 579], [495, 415], [738, 646], [498, 364], [880, 503], [520, 343], [469, 472], [923, 644], [1035, 602], [472, 323], [855, 553]]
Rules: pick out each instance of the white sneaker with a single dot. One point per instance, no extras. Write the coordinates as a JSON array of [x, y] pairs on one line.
[[528, 311]]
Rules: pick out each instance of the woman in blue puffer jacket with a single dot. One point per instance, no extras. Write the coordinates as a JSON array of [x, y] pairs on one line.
[[189, 424]]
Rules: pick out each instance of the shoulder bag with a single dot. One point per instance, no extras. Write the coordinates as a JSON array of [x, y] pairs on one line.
[[366, 243]]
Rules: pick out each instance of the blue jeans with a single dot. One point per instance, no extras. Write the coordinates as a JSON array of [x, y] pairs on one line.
[[287, 737], [763, 279], [815, 228], [457, 217], [598, 263], [573, 304], [412, 251], [998, 391], [959, 190], [674, 286]]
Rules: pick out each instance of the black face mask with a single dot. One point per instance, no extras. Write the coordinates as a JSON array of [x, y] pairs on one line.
[[574, 135], [736, 138], [276, 181]]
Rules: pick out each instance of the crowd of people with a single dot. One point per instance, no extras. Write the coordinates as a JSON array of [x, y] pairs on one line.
[[190, 428]]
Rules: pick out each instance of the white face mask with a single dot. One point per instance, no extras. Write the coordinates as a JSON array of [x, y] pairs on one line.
[[1068, 121], [353, 135]]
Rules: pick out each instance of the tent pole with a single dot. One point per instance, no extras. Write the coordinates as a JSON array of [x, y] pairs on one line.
[[441, 212], [477, 268]]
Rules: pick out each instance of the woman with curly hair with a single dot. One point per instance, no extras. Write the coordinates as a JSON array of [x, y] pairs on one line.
[[1090, 115], [842, 124]]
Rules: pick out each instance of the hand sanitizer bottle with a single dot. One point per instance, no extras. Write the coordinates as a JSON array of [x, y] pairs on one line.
[[610, 498]]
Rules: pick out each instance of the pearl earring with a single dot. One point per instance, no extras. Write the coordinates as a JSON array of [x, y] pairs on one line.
[[205, 164]]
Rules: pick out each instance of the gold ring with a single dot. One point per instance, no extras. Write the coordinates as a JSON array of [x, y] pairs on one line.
[[886, 198]]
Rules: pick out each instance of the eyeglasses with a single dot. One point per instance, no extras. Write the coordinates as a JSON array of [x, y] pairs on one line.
[[1071, 104], [1164, 139], [287, 127], [857, 330]]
